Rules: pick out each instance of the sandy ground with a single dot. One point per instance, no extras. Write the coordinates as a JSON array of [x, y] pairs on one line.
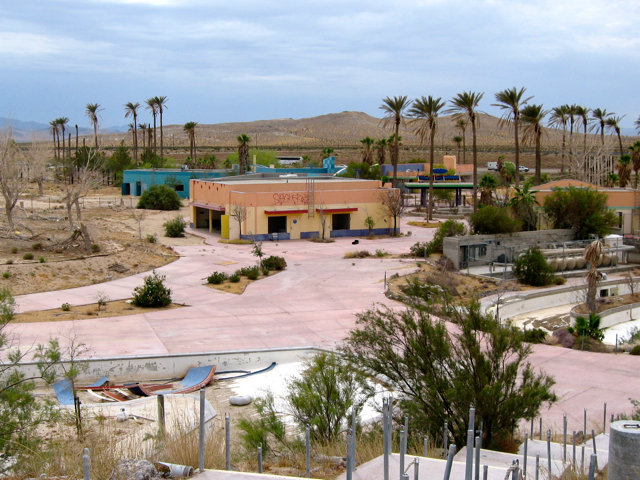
[[112, 224]]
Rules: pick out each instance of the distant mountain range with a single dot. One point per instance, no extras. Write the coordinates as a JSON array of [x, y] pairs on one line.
[[25, 131]]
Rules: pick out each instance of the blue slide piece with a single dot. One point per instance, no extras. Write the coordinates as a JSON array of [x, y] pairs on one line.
[[64, 391]]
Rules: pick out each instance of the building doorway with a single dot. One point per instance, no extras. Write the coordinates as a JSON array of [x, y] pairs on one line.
[[278, 224], [341, 221]]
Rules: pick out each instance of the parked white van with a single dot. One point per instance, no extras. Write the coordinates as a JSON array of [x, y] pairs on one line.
[[492, 166]]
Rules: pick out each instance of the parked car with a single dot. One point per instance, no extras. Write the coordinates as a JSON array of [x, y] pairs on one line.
[[523, 168], [492, 166]]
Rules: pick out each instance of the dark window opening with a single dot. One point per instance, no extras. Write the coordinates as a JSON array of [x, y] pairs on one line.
[[278, 224], [341, 221], [179, 188]]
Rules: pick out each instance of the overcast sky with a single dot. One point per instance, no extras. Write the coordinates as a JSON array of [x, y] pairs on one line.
[[240, 60]]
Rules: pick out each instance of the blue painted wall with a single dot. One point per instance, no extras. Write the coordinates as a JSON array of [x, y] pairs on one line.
[[135, 182]]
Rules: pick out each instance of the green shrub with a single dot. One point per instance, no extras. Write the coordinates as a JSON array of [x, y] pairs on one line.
[[160, 197], [381, 253], [6, 275], [420, 249], [95, 248], [450, 228], [531, 268], [265, 271], [9, 262], [274, 263], [14, 249], [27, 256], [152, 238], [36, 246], [253, 273], [42, 260], [235, 278], [152, 293], [174, 228], [536, 335], [65, 307], [493, 220], [216, 278], [635, 350]]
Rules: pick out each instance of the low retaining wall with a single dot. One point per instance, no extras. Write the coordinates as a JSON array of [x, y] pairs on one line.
[[525, 302], [170, 366], [613, 316]]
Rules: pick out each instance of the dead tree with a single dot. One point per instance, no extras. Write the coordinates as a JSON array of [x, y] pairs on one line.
[[593, 255], [239, 213], [36, 156], [88, 177], [392, 201], [13, 178]]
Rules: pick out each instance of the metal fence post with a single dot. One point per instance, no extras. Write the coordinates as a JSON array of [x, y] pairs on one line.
[[524, 460], [307, 444], [161, 421], [260, 459], [202, 439], [227, 428], [447, 470], [478, 450], [549, 450], [403, 448], [564, 438], [385, 437], [86, 464]]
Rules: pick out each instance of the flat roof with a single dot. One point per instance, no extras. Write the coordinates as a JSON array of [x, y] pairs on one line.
[[438, 185], [257, 179]]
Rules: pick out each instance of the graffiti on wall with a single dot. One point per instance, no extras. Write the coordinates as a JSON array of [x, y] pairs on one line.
[[290, 199]]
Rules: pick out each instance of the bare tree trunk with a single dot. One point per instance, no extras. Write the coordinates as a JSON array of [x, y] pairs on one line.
[[86, 237]]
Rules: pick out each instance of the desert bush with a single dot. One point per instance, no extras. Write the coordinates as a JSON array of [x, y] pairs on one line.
[[450, 228], [14, 250], [494, 220], [152, 238], [253, 273], [635, 350], [174, 228], [216, 278], [531, 268], [95, 248], [235, 278], [535, 335], [42, 260], [36, 246], [560, 280], [160, 197], [381, 253], [152, 293], [9, 262], [265, 271], [6, 275], [419, 249], [65, 307], [358, 254], [274, 263], [27, 256]]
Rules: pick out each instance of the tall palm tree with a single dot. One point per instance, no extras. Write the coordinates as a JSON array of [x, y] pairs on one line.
[[425, 111], [458, 141], [601, 117], [461, 125], [53, 129], [190, 129], [533, 116], [624, 170], [131, 110], [152, 106], [523, 204], [143, 128], [465, 106], [635, 160], [394, 114], [511, 101], [92, 113], [613, 123], [161, 104], [559, 118], [381, 147], [243, 153], [583, 114], [636, 123], [572, 112], [62, 124], [367, 150]]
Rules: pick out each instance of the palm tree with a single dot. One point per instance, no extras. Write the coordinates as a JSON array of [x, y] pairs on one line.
[[624, 170], [367, 152], [425, 111], [153, 108], [161, 104], [636, 123], [190, 129], [394, 109], [465, 106], [461, 124], [583, 114], [243, 153], [92, 113], [572, 112], [532, 116], [559, 118], [613, 179], [131, 109], [511, 101], [635, 160], [143, 128], [488, 184], [381, 147], [327, 152], [613, 123], [601, 117], [523, 204], [458, 141], [53, 129], [62, 125]]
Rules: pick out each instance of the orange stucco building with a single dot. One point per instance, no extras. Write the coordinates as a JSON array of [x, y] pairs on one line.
[[291, 207]]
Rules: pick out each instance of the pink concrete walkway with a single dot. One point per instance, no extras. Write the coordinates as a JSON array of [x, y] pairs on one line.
[[312, 303]]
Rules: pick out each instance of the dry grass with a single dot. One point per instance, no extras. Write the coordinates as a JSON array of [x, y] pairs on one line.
[[236, 241]]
